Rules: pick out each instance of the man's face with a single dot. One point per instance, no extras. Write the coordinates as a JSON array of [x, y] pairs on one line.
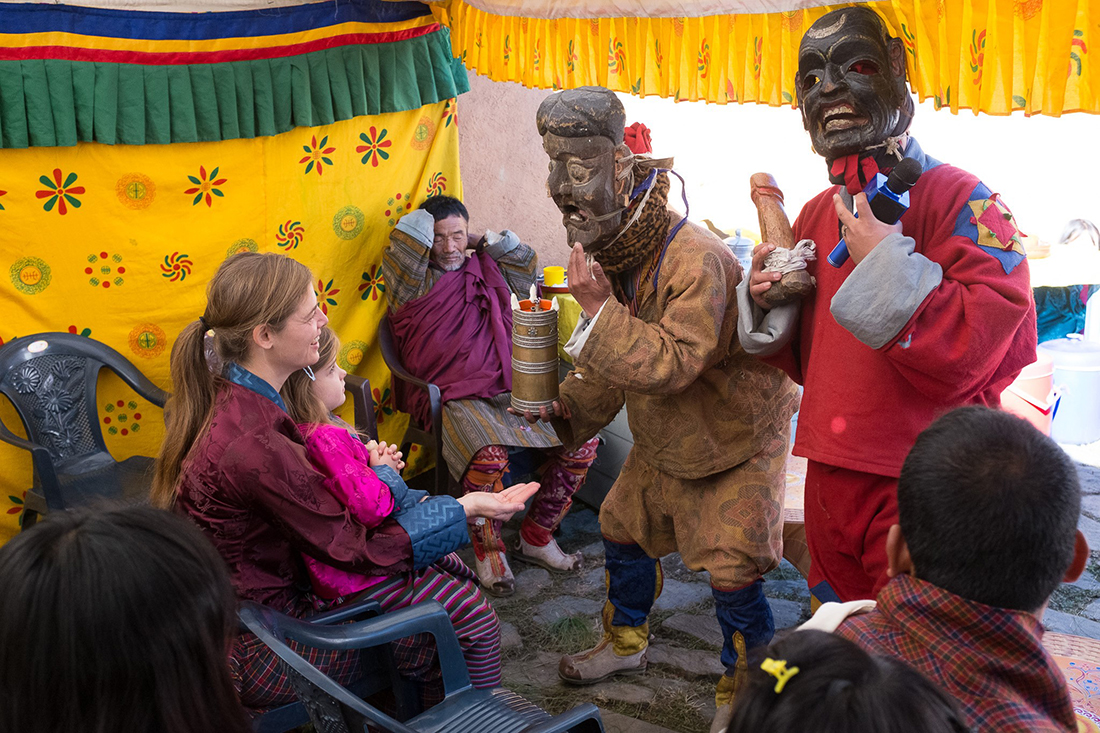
[[847, 85], [582, 184], [449, 245]]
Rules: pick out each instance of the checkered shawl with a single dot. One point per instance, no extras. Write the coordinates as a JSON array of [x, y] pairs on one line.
[[991, 659]]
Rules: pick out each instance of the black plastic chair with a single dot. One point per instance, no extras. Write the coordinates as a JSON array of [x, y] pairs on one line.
[[51, 380], [465, 709], [377, 676], [432, 437], [365, 421]]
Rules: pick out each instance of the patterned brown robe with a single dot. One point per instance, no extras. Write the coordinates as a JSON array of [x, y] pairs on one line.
[[710, 423]]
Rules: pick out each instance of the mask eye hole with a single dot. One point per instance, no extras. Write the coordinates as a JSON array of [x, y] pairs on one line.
[[578, 174], [867, 68], [809, 81]]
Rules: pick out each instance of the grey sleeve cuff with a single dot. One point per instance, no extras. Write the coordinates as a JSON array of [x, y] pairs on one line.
[[884, 291], [763, 333], [507, 242]]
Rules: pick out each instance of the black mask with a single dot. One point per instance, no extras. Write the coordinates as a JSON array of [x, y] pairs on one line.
[[851, 83]]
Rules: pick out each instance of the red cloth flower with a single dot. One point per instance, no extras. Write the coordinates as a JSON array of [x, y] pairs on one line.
[[636, 137]]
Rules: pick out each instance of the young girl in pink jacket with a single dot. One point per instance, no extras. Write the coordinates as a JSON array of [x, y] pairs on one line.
[[364, 477]]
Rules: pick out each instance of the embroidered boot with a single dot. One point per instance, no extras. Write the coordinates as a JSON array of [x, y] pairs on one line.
[[490, 564], [633, 582], [747, 623]]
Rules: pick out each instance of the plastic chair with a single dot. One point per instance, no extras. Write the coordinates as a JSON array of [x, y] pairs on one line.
[[376, 677], [465, 709], [51, 380], [431, 439], [365, 421]]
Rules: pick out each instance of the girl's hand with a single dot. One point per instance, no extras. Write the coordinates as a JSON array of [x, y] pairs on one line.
[[382, 454], [500, 506]]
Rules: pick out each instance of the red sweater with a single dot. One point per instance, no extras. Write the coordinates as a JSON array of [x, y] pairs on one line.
[[863, 407]]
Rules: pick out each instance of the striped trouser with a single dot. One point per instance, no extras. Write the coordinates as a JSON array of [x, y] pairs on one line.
[[451, 583], [562, 474]]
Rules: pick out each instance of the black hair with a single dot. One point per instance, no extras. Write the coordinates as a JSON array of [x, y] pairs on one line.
[[839, 688], [582, 112], [116, 619], [989, 508], [443, 207]]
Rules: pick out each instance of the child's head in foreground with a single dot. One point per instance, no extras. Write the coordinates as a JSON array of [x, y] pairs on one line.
[[819, 682]]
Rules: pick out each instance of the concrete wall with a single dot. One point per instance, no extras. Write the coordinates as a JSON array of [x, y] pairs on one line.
[[504, 167]]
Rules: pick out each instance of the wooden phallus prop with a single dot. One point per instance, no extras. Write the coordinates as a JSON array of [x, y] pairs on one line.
[[775, 228]]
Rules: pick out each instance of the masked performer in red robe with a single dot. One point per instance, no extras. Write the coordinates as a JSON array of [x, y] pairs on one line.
[[927, 314]]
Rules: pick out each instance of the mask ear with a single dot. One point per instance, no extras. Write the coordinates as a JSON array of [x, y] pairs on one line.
[[624, 178], [895, 51]]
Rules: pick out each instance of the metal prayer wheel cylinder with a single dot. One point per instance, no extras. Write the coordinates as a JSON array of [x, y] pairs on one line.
[[534, 356]]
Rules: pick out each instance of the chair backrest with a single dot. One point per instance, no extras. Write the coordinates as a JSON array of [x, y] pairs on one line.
[[387, 344], [51, 380]]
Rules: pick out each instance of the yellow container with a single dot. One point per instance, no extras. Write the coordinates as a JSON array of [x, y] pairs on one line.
[[553, 276]]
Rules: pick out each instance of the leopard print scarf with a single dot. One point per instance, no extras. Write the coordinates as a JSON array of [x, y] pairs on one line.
[[639, 243]]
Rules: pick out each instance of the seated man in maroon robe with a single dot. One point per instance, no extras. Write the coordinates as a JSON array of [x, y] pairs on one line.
[[452, 321]]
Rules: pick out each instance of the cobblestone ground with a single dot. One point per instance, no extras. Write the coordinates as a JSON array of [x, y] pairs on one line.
[[554, 614]]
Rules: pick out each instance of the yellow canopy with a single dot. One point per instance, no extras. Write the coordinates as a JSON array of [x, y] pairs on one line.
[[993, 56]]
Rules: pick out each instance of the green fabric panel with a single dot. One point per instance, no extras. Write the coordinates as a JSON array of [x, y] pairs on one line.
[[181, 107], [38, 105], [105, 110], [282, 91], [13, 127], [246, 117], [340, 93], [263, 98], [320, 97], [60, 79], [84, 107], [158, 118], [59, 103], [131, 112]]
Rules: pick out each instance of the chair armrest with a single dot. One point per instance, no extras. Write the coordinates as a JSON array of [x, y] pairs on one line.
[[571, 720], [141, 384], [367, 609], [272, 627], [428, 617], [43, 466], [365, 421]]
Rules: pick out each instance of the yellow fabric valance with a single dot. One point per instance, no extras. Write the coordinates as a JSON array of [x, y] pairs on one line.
[[992, 56]]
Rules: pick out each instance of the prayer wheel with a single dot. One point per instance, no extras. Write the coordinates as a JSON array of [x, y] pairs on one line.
[[534, 355]]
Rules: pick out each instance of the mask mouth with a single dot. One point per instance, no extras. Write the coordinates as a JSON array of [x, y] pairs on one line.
[[840, 116], [571, 215]]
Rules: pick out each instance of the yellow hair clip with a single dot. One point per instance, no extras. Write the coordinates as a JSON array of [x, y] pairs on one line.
[[778, 668]]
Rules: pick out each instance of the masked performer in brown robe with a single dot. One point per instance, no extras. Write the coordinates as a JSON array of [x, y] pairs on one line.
[[705, 477]]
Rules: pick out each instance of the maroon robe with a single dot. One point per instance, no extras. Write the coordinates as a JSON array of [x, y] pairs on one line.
[[248, 484], [457, 336]]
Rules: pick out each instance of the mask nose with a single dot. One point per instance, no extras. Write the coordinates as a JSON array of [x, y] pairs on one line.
[[833, 80]]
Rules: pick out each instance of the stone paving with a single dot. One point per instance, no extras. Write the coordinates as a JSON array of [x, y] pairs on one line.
[[551, 614]]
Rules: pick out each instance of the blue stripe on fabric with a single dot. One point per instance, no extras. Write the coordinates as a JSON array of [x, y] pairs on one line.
[[165, 26]]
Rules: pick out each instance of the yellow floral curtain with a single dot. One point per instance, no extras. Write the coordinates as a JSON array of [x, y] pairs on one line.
[[125, 254], [992, 56]]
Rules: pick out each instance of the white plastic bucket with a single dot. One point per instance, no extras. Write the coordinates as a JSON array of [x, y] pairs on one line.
[[1077, 379], [1033, 396]]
